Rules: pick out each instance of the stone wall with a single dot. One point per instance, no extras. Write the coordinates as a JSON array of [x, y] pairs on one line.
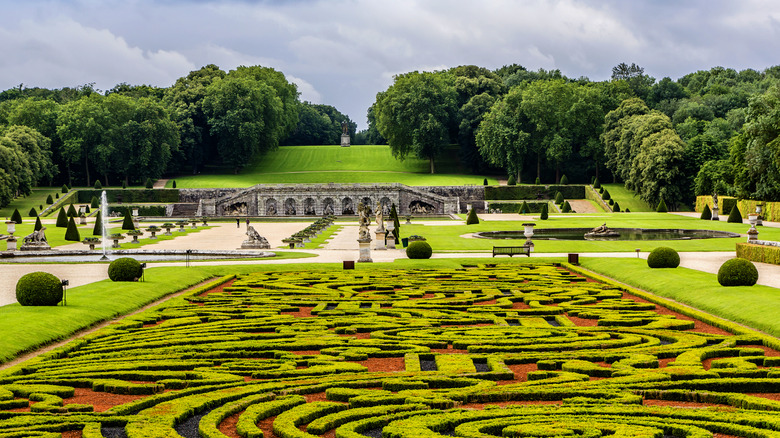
[[466, 195]]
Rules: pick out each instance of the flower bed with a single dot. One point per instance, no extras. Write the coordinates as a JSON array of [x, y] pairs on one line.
[[298, 354]]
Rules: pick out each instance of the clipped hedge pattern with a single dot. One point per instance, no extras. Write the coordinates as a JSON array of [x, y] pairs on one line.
[[259, 348]]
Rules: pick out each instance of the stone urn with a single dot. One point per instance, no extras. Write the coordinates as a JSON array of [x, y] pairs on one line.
[[168, 227], [116, 238], [204, 219], [528, 232], [135, 234], [181, 225], [194, 223], [91, 241], [153, 230]]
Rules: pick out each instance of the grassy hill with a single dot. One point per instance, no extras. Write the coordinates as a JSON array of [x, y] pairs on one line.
[[324, 164]]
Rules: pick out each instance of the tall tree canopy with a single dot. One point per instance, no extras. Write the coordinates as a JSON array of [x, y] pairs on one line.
[[415, 114]]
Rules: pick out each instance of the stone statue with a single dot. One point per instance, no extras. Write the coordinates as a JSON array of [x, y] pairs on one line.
[[255, 240], [715, 200], [600, 232], [364, 221], [380, 220], [37, 236], [328, 209], [344, 127], [600, 229]]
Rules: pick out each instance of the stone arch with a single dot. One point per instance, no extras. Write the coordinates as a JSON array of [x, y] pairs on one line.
[[367, 202], [385, 203], [328, 206], [290, 207], [421, 207], [309, 207], [270, 207], [236, 209], [347, 206]]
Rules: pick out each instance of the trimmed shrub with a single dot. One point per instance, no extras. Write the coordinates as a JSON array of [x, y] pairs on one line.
[[124, 184], [538, 181], [735, 216], [544, 214], [174, 183], [33, 212], [628, 211], [524, 209], [65, 188], [566, 207], [511, 181], [97, 185], [472, 218], [611, 201], [419, 249], [127, 221], [94, 203], [596, 183], [38, 224], [564, 180], [149, 183], [86, 208], [72, 211], [616, 207], [16, 216], [62, 218], [559, 198], [601, 190], [661, 207], [39, 289], [605, 195], [737, 272], [484, 183], [72, 233], [663, 257], [706, 214], [127, 196], [125, 269], [56, 195], [97, 230], [49, 200]]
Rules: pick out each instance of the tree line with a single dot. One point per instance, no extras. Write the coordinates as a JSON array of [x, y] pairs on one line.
[[710, 131], [130, 133]]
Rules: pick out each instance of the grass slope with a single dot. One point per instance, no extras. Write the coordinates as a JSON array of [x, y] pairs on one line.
[[323, 164], [627, 199]]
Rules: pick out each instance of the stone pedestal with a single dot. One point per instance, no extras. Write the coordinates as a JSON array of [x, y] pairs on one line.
[[345, 140], [390, 241], [752, 235], [380, 240], [715, 213], [32, 246], [255, 245], [365, 250], [11, 243]]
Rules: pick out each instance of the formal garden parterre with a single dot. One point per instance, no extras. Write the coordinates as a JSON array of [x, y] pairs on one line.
[[534, 349]]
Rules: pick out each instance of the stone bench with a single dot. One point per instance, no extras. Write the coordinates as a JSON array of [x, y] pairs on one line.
[[512, 250]]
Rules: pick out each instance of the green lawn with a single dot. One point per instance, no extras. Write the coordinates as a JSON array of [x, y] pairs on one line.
[[627, 199], [24, 203], [323, 164], [449, 237]]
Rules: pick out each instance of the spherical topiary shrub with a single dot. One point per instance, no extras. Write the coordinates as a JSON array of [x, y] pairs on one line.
[[737, 272], [124, 269], [419, 250], [663, 257], [39, 289]]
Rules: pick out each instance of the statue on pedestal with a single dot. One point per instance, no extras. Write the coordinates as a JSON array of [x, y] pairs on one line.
[[601, 231], [380, 219], [364, 221], [36, 241], [255, 240]]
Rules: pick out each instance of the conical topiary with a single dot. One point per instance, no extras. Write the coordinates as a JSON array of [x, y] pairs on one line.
[[605, 195], [566, 207], [65, 188], [524, 209], [596, 183], [735, 216], [124, 184], [559, 198], [72, 233], [57, 195], [97, 185], [72, 211], [149, 183], [611, 202], [396, 223], [16, 216], [706, 214], [86, 209], [33, 212], [538, 181], [94, 203], [472, 218], [484, 183], [97, 230], [662, 207], [62, 218], [616, 207], [127, 221], [564, 180], [511, 181], [174, 183], [543, 216], [38, 224], [49, 200]]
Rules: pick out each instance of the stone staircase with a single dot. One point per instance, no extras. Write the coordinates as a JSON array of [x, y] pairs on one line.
[[183, 210]]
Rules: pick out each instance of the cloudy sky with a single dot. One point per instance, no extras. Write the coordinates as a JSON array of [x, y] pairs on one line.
[[342, 52]]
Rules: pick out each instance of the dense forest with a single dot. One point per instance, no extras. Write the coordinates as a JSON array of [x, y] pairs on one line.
[[709, 131]]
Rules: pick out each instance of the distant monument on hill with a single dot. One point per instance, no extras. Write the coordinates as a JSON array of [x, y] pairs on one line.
[[344, 134]]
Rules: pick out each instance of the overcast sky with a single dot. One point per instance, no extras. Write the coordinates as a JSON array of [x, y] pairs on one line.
[[342, 52]]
